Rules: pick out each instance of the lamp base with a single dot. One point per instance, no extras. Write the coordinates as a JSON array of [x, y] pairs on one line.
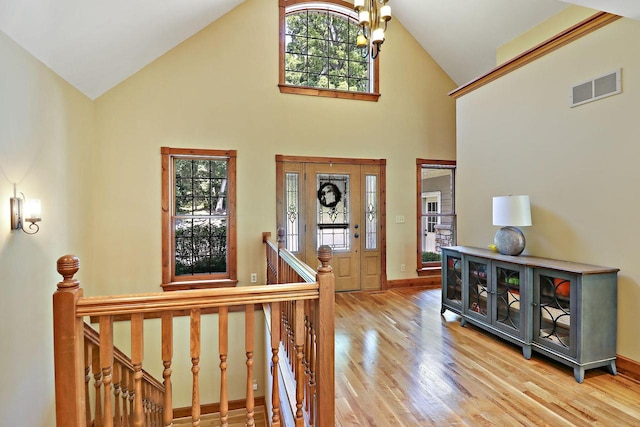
[[509, 241]]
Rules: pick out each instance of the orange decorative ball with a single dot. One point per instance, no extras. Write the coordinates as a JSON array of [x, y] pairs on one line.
[[563, 287]]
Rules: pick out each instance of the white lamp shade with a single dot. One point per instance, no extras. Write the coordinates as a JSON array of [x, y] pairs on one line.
[[385, 12], [377, 36], [363, 17], [511, 211], [33, 210]]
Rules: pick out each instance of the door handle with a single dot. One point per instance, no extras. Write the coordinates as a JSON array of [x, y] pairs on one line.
[[356, 235]]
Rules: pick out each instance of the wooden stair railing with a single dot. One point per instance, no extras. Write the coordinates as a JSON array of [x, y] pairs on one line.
[[123, 370], [122, 395], [302, 339]]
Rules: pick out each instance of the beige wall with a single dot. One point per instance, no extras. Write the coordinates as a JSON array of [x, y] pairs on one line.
[[46, 137], [540, 33], [579, 165], [219, 90]]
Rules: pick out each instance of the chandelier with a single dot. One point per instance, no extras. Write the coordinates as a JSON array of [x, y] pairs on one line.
[[373, 16]]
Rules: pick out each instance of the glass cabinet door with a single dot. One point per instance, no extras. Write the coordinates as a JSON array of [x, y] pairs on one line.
[[507, 312], [477, 303], [552, 310], [451, 281]]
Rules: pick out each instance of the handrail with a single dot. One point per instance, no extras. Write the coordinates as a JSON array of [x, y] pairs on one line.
[[307, 273], [181, 300]]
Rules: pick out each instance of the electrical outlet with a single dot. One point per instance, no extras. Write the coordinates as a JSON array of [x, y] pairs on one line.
[[255, 384], [401, 267], [254, 278]]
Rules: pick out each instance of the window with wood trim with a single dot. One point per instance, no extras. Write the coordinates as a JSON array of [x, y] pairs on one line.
[[198, 218], [436, 215], [318, 52]]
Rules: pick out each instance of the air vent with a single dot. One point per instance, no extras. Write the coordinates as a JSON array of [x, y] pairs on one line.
[[598, 88]]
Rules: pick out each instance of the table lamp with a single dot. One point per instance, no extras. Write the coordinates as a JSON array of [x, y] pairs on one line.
[[511, 212]]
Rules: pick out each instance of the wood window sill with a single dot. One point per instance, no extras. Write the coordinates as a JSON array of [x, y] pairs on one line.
[[429, 271], [328, 93], [199, 284]]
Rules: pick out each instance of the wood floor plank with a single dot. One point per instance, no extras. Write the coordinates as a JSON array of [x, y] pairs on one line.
[[399, 362]]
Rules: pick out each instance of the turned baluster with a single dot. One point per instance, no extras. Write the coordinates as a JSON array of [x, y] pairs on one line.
[[106, 364], [248, 343], [159, 408], [195, 367], [223, 344], [132, 397], [68, 342], [310, 359], [289, 338], [312, 366], [124, 385], [307, 352], [150, 404], [147, 403], [137, 356], [167, 355], [97, 384], [87, 379], [153, 405], [293, 332], [269, 254], [117, 416], [276, 321], [299, 355], [285, 328], [280, 263]]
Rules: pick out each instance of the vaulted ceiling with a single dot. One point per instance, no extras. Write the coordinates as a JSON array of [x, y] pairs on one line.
[[95, 44]]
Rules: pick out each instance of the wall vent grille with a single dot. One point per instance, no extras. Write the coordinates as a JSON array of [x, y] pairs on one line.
[[594, 89]]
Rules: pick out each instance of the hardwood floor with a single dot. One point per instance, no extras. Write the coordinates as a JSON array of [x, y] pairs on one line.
[[400, 363]]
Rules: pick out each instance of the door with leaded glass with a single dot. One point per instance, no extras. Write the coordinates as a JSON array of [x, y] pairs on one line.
[[335, 204]]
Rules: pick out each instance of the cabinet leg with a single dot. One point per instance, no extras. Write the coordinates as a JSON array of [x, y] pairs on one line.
[[578, 373], [463, 322], [612, 368], [526, 352], [443, 309]]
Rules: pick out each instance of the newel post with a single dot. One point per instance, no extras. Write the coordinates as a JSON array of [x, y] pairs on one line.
[[68, 347], [325, 378]]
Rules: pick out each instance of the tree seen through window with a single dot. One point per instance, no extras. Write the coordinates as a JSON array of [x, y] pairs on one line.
[[200, 216], [321, 51]]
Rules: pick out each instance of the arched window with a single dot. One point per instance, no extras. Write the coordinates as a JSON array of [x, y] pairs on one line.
[[318, 52]]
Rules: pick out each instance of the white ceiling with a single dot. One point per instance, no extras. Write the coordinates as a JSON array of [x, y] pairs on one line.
[[96, 44], [462, 35]]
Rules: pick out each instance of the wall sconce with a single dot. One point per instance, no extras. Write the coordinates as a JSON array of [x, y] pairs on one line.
[[25, 210]]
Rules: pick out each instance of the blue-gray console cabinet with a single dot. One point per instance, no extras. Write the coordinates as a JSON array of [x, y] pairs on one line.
[[564, 310]]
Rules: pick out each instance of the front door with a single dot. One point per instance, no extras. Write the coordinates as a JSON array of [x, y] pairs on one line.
[[338, 204], [333, 218]]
